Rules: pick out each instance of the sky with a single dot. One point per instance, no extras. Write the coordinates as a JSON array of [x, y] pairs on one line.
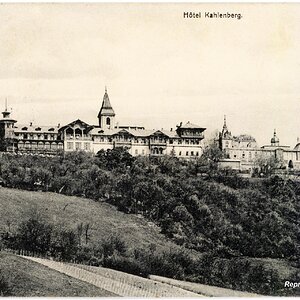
[[160, 69]]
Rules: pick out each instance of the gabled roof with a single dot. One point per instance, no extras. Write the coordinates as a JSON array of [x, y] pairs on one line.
[[161, 132], [78, 121]]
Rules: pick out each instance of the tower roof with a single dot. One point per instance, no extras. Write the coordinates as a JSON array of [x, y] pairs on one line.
[[106, 108], [6, 115], [274, 139]]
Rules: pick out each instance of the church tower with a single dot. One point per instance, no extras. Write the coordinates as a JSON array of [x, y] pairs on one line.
[[225, 137], [106, 114]]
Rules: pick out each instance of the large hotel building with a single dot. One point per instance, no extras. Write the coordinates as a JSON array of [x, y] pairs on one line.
[[185, 141]]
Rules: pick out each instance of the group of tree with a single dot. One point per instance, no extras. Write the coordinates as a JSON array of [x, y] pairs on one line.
[[197, 205], [36, 236]]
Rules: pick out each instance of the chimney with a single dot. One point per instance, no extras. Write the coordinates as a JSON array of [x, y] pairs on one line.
[[58, 125], [30, 123]]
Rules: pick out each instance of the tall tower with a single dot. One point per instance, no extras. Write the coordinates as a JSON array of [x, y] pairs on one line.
[[106, 114], [6, 130], [225, 137]]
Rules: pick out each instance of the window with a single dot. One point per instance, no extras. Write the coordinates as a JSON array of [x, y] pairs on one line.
[[69, 145], [192, 153], [77, 145], [187, 153], [86, 146], [179, 153], [171, 141], [179, 141], [143, 152], [136, 151], [197, 153], [107, 121]]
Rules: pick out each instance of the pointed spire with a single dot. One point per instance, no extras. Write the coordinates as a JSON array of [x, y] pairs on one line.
[[274, 132], [224, 125], [5, 103], [106, 108]]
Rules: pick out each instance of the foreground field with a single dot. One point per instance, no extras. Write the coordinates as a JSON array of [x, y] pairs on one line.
[[26, 278], [104, 219], [138, 234], [119, 283]]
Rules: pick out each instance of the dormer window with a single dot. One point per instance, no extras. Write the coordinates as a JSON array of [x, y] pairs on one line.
[[100, 131], [24, 128], [51, 129], [38, 129]]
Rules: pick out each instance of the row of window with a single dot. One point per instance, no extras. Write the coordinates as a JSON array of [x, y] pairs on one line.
[[40, 145], [31, 136], [144, 141], [244, 155], [187, 153], [79, 146], [38, 129]]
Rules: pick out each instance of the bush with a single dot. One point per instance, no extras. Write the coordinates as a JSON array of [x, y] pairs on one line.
[[4, 286]]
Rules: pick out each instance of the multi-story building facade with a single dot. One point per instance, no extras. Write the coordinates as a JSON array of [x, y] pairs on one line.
[[242, 152], [184, 142]]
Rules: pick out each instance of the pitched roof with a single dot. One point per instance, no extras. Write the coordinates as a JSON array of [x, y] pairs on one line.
[[244, 138], [78, 121], [106, 108], [134, 132], [189, 125], [27, 128]]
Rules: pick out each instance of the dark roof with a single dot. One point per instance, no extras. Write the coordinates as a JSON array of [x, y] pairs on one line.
[[244, 138], [189, 125], [78, 121], [35, 129], [106, 107]]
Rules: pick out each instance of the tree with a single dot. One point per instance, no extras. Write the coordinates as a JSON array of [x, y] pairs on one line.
[[114, 158], [34, 234], [266, 165]]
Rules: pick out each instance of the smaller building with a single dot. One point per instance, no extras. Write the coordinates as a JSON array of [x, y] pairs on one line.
[[244, 149]]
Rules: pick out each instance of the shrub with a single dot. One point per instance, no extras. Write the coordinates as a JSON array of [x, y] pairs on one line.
[[4, 286]]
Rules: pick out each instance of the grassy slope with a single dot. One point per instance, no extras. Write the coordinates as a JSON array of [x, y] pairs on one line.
[[27, 278], [104, 219]]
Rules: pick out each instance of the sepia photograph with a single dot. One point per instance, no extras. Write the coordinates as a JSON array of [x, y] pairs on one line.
[[150, 150]]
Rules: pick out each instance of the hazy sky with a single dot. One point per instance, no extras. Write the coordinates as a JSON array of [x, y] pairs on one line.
[[159, 68]]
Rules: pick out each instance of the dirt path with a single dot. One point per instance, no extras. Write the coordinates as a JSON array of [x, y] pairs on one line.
[[119, 283], [206, 290]]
